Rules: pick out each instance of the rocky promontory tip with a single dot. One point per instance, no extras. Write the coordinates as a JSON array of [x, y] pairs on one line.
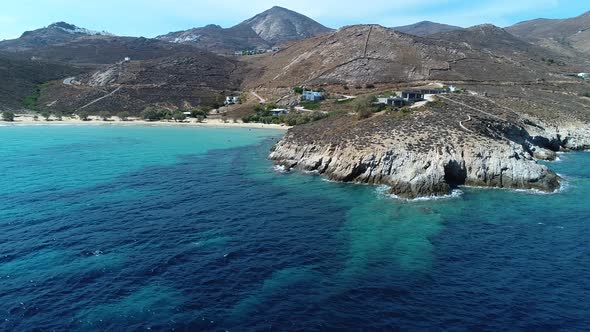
[[460, 140]]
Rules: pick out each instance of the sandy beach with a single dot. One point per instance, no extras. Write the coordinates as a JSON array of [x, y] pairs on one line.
[[93, 120]]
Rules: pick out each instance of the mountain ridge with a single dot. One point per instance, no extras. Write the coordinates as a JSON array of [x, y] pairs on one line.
[[272, 27], [568, 36], [426, 28], [367, 54]]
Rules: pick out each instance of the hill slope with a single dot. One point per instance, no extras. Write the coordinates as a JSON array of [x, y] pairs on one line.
[[218, 39], [54, 34], [279, 25], [272, 27], [185, 79], [426, 28], [374, 54], [21, 78], [492, 39], [160, 72], [566, 36]]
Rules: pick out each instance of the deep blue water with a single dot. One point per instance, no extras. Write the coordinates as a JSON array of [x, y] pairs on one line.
[[191, 229]]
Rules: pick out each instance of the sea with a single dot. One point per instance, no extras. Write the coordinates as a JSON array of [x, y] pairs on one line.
[[136, 228]]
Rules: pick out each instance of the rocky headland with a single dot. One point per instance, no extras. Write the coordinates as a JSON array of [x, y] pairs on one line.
[[471, 139]]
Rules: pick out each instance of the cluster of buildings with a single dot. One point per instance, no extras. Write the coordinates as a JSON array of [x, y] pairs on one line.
[[408, 97], [257, 51]]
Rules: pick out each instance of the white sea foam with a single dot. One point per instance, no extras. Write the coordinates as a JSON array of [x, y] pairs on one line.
[[314, 172], [564, 186], [280, 169], [383, 190]]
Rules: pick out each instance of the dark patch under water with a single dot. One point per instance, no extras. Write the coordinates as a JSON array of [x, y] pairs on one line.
[[215, 240]]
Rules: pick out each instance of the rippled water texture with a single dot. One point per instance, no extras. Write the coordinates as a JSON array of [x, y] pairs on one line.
[[130, 228]]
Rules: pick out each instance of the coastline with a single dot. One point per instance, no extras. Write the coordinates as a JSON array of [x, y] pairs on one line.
[[95, 121]]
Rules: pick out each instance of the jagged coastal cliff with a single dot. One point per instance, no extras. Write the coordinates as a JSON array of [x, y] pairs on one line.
[[458, 140]]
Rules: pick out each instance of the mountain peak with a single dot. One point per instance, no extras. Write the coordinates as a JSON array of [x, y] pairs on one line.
[[278, 25], [487, 28], [62, 25], [72, 29], [278, 8]]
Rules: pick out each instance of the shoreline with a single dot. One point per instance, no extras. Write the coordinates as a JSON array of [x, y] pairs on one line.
[[211, 123]]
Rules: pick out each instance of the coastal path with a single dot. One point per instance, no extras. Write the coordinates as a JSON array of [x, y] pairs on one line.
[[99, 99], [262, 100], [462, 126], [473, 108], [69, 80]]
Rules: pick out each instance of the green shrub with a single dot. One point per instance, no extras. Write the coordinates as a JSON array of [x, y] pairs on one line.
[[83, 115], [31, 102], [123, 116], [436, 103], [152, 113], [8, 116], [291, 119], [364, 114], [197, 112], [58, 115], [46, 115], [179, 116], [363, 107], [298, 90], [310, 105], [105, 115]]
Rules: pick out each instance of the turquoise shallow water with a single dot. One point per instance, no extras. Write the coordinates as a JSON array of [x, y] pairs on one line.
[[130, 228]]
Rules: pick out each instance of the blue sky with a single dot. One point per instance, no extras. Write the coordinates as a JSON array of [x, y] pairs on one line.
[[150, 18]]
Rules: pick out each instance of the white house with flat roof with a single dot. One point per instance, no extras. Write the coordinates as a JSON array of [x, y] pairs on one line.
[[310, 95], [231, 100], [279, 111]]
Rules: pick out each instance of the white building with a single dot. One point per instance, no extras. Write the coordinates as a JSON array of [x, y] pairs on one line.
[[584, 75], [231, 100], [279, 111], [127, 59]]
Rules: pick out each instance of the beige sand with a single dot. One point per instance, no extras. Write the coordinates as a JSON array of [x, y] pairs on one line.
[[29, 120]]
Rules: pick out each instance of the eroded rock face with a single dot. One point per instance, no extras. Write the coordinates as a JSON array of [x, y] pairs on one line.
[[412, 174], [435, 149]]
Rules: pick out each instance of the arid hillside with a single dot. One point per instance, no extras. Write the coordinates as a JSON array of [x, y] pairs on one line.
[[566, 36], [491, 135], [374, 54], [22, 78], [186, 79]]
